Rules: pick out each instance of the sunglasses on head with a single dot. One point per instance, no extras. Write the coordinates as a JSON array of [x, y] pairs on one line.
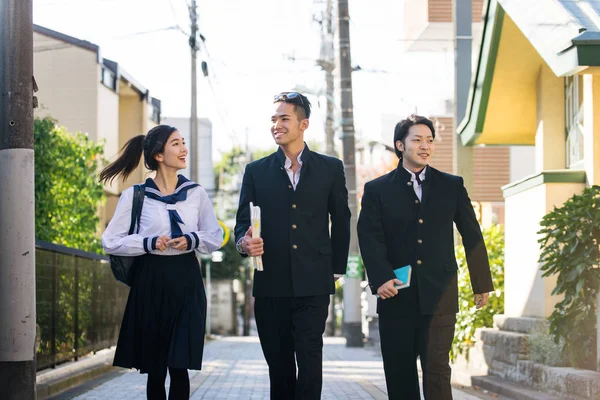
[[286, 96]]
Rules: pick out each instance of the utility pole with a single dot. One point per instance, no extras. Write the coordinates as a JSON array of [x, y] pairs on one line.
[[194, 112], [17, 225], [352, 290], [463, 38], [327, 63]]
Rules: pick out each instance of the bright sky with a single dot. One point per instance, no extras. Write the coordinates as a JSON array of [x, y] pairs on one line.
[[248, 49]]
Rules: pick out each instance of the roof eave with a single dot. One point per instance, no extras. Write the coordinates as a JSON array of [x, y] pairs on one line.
[[588, 48], [471, 126]]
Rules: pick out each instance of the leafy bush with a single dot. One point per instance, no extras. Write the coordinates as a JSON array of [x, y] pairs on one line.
[[570, 250], [469, 318], [67, 191]]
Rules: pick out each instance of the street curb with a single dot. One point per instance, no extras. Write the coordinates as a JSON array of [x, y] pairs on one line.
[[51, 382], [58, 386]]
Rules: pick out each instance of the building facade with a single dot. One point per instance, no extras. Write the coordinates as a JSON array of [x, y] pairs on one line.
[[87, 93]]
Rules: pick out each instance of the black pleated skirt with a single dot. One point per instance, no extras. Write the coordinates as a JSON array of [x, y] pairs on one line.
[[164, 320]]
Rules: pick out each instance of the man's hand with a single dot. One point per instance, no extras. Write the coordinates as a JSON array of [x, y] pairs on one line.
[[252, 247], [388, 290], [481, 300]]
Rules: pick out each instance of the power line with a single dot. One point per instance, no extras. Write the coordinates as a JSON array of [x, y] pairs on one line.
[[168, 28], [175, 17]]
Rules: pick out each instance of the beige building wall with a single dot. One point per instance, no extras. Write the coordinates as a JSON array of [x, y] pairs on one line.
[[528, 294], [68, 80], [550, 133], [131, 124], [591, 127], [108, 125]]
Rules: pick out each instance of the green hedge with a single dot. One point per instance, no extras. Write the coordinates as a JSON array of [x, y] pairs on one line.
[[469, 318]]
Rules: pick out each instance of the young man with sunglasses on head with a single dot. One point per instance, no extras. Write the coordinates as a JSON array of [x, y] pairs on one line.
[[299, 193]]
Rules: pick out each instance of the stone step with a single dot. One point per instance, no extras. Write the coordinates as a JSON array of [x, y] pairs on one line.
[[508, 347], [569, 381], [526, 325], [512, 390]]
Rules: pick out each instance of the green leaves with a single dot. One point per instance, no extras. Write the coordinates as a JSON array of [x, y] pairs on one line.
[[469, 318], [67, 191], [569, 244]]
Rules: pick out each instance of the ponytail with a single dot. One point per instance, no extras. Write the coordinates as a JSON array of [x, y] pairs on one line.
[[127, 162]]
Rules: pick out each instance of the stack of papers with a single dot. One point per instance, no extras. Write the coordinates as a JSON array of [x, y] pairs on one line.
[[255, 221]]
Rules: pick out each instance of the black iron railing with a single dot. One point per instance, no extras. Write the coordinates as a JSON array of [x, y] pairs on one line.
[[79, 303]]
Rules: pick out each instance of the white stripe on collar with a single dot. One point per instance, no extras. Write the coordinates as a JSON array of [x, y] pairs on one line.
[[158, 193], [183, 185], [152, 190]]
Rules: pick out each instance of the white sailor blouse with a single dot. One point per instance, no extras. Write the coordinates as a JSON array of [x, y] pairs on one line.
[[187, 212]]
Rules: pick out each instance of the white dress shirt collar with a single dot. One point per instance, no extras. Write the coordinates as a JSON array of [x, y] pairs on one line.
[[288, 161], [412, 174]]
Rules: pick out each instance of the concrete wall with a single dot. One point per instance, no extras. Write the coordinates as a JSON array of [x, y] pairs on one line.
[[223, 306], [68, 78], [522, 162], [527, 294]]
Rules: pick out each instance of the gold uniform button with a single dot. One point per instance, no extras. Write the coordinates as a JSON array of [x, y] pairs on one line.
[[294, 226], [420, 241], [416, 201], [409, 183], [289, 186], [294, 247], [419, 262], [420, 221], [293, 206]]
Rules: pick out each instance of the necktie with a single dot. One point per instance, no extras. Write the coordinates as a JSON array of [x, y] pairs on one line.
[[180, 195], [418, 177]]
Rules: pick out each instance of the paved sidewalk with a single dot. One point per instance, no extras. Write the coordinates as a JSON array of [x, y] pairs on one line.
[[234, 368]]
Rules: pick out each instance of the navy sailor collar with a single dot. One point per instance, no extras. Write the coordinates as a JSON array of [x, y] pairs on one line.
[[182, 183]]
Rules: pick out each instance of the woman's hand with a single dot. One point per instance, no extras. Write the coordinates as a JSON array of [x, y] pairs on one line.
[[179, 243], [162, 243]]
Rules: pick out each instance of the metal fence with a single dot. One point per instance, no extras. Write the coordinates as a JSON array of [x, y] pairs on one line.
[[79, 303]]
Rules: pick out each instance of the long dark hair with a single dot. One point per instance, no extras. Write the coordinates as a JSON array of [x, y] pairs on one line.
[[149, 144]]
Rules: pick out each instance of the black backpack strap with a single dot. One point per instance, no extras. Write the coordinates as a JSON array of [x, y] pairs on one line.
[[139, 192], [140, 199]]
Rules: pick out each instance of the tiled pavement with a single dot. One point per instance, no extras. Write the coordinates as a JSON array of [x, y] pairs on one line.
[[234, 368]]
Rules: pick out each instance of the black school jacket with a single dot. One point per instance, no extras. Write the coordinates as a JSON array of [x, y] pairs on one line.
[[396, 229], [300, 256]]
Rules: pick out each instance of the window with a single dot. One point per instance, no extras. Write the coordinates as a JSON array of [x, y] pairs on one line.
[[109, 79], [154, 112], [574, 121]]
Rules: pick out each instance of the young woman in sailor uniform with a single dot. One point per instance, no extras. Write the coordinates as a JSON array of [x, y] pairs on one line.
[[164, 320]]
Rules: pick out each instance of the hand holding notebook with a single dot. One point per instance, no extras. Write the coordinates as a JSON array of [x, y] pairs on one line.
[[403, 275]]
